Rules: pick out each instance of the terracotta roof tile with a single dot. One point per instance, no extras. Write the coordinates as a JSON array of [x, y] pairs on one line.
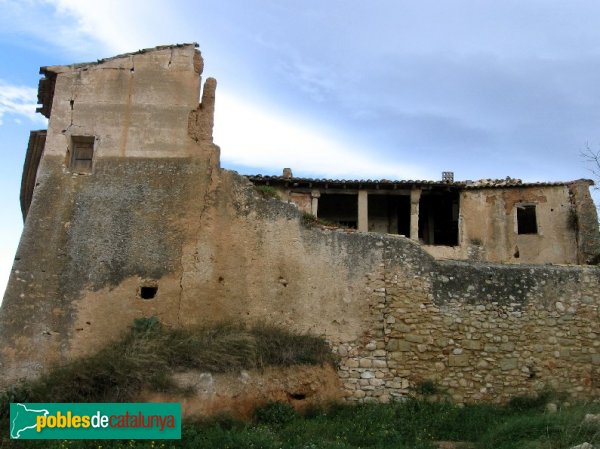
[[480, 184]]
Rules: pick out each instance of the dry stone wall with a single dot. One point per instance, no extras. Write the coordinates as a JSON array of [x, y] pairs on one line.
[[477, 331]]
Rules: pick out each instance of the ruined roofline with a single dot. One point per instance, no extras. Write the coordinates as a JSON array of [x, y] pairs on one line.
[[51, 69], [47, 83], [394, 184]]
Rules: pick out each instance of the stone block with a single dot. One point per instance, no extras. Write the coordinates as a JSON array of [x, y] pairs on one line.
[[401, 327], [413, 338], [508, 364], [458, 360], [359, 394], [379, 364], [365, 363], [398, 345], [351, 363], [471, 344], [441, 342]]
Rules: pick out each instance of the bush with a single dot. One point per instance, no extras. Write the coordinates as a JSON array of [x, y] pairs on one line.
[[534, 402], [275, 413], [427, 388]]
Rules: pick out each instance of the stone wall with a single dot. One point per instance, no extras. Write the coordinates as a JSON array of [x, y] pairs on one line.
[[565, 217], [489, 224], [158, 211], [480, 332]]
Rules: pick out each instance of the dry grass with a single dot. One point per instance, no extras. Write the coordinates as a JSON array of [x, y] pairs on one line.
[[146, 356]]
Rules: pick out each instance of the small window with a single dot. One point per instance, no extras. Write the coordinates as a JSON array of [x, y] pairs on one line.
[[82, 153], [526, 219]]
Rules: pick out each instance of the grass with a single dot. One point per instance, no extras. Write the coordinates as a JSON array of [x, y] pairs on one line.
[[149, 353], [267, 191], [414, 424], [310, 220]]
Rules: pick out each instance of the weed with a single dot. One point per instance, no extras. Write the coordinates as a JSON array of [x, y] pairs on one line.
[[149, 353], [275, 413], [536, 401], [279, 347], [267, 191], [427, 388], [413, 424], [310, 220]]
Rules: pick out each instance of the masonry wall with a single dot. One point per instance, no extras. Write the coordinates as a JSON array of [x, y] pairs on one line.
[[395, 315], [489, 225], [567, 224], [87, 235], [217, 250]]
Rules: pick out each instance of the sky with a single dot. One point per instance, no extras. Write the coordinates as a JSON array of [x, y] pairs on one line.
[[384, 89]]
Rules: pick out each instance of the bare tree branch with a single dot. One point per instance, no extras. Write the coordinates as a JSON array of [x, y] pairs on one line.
[[592, 158]]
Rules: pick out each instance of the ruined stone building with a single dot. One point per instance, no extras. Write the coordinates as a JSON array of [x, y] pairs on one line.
[[493, 220], [481, 287]]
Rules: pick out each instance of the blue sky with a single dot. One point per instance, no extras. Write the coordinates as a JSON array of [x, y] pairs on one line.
[[392, 89]]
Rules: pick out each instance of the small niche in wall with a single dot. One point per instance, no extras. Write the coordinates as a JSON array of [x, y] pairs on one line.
[[148, 291]]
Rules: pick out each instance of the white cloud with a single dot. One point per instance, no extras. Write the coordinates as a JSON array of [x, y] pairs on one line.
[[18, 100], [250, 135], [120, 26], [254, 136]]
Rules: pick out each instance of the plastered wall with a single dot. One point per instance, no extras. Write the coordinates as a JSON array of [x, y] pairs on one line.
[[489, 225], [218, 250]]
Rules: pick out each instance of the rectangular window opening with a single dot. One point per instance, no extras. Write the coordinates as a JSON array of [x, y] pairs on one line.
[[389, 214], [82, 153], [438, 218], [526, 219], [339, 208]]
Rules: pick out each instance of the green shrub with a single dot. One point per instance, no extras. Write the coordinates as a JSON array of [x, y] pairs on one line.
[[534, 401], [427, 388], [275, 413]]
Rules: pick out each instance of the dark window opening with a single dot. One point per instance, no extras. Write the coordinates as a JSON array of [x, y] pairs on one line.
[[389, 214], [82, 153], [438, 218], [339, 208], [526, 220], [148, 292]]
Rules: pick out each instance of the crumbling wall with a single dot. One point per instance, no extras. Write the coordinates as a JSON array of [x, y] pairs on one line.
[[86, 236], [157, 212], [489, 225], [395, 315], [584, 219]]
